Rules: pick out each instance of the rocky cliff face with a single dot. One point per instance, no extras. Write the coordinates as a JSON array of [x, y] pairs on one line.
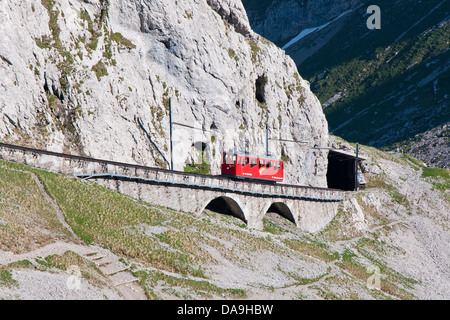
[[77, 75], [431, 147]]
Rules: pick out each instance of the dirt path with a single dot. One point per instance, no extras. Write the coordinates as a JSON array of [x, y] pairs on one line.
[[59, 213], [108, 263]]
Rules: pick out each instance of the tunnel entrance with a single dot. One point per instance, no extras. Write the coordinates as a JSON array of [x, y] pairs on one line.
[[227, 206], [341, 172]]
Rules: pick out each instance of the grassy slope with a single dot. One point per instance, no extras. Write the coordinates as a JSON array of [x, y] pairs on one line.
[[380, 75], [172, 252], [28, 221]]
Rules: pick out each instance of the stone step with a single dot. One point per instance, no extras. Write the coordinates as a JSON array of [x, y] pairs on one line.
[[104, 262], [121, 278], [101, 259], [132, 291], [95, 256], [108, 264], [112, 268]]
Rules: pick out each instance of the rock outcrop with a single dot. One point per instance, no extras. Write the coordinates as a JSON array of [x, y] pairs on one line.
[[431, 147], [77, 76]]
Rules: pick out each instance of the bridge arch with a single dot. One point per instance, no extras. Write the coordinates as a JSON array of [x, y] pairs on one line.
[[282, 209], [226, 205]]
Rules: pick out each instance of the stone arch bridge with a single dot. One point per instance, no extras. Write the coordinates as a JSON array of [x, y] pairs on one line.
[[311, 209]]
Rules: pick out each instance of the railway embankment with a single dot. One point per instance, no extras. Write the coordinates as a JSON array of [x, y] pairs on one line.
[[310, 208], [388, 241]]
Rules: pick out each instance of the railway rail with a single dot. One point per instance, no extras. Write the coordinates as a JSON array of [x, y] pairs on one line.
[[152, 175]]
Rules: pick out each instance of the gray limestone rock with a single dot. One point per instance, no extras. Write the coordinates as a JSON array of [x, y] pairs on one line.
[[76, 76]]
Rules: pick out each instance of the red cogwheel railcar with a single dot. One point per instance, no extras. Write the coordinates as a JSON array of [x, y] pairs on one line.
[[247, 166]]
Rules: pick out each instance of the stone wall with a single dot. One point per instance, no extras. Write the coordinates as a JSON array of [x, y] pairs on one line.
[[310, 208]]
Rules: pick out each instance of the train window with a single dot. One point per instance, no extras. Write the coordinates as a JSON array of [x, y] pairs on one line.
[[261, 163], [233, 159], [229, 159], [269, 164], [254, 162], [247, 161], [224, 160], [277, 165], [239, 160]]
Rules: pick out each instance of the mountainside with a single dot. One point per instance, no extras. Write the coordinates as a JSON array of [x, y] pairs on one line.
[[79, 77], [66, 238], [431, 147], [378, 86], [86, 76], [281, 20]]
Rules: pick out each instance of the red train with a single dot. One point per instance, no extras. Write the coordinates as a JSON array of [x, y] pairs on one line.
[[243, 165]]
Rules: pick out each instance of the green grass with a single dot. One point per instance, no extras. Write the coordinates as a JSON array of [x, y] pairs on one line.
[[100, 70], [184, 288], [88, 270], [6, 278], [300, 281], [99, 215], [117, 222], [318, 250], [440, 178], [400, 199], [254, 49], [436, 173], [352, 266], [201, 168], [53, 19], [28, 218], [232, 54], [102, 216], [120, 39], [65, 64], [271, 227]]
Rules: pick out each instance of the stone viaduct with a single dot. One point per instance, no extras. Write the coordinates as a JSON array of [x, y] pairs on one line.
[[311, 209]]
